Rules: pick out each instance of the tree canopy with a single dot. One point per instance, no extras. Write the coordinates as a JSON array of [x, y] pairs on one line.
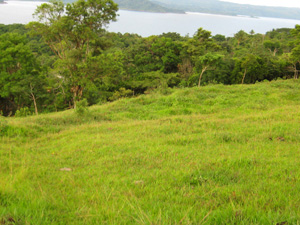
[[72, 33]]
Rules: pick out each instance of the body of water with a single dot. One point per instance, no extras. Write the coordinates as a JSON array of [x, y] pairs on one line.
[[146, 24]]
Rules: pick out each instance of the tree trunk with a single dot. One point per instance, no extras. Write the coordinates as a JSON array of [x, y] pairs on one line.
[[203, 70], [77, 94], [273, 52], [296, 73], [74, 99], [35, 106], [244, 76], [34, 100]]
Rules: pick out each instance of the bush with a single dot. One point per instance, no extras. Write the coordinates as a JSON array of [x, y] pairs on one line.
[[3, 126], [123, 92], [23, 112], [81, 107]]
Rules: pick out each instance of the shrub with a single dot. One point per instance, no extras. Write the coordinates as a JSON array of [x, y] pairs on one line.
[[123, 92], [3, 126], [23, 112], [81, 107]]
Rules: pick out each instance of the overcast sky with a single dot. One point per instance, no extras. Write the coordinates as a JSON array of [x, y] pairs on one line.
[[284, 3]]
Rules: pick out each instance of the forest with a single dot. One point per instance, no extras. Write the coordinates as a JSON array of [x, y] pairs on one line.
[[50, 66]]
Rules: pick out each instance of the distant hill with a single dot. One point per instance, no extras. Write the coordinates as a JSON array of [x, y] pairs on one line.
[[145, 5], [141, 5], [205, 6], [226, 8]]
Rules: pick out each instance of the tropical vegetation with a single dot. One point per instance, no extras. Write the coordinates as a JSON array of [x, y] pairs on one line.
[[49, 65]]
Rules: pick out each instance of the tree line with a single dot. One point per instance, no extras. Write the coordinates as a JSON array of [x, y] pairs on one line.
[[67, 56]]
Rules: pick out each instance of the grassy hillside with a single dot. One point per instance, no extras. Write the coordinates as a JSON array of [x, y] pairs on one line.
[[210, 155]]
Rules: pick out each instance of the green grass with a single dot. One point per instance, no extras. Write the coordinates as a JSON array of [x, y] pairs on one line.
[[210, 155]]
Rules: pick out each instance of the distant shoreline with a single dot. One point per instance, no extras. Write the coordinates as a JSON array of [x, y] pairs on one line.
[[143, 11]]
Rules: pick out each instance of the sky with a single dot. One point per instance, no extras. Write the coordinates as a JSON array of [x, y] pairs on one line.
[[284, 3]]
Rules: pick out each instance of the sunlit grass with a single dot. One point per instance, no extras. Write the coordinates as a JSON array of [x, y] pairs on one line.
[[211, 155]]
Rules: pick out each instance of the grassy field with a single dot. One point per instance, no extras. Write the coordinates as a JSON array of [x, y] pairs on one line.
[[210, 155]]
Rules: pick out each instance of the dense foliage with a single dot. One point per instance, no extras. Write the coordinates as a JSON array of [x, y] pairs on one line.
[[49, 65]]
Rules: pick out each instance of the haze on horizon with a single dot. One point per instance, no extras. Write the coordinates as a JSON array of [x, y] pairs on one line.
[[282, 3]]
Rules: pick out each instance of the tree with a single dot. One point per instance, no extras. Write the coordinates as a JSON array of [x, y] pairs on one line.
[[250, 65], [219, 38], [154, 53], [248, 61], [293, 60], [205, 62], [201, 42], [20, 74], [252, 32], [241, 36], [71, 32], [296, 31], [272, 46], [108, 74], [294, 56]]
